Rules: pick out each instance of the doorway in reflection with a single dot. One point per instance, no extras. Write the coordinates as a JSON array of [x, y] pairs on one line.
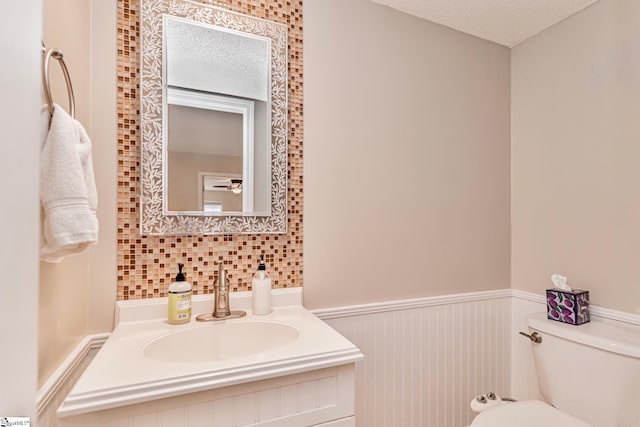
[[205, 152]]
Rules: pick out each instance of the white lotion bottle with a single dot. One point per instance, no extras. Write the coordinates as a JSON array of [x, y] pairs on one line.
[[261, 290]]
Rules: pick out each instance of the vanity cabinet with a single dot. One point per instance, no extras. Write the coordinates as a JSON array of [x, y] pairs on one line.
[[225, 374], [323, 397]]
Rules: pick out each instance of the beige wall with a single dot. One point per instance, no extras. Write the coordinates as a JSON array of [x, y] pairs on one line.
[[575, 153], [402, 112], [77, 295], [20, 31]]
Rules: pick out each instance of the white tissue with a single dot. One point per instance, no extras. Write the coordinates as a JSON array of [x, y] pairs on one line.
[[560, 282]]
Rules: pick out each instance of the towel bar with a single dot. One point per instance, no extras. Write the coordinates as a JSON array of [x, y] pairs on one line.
[[57, 54]]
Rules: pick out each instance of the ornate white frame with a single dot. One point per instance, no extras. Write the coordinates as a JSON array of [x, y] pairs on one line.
[[153, 218]]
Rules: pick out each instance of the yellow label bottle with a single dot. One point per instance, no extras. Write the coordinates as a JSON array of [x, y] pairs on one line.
[[180, 299]]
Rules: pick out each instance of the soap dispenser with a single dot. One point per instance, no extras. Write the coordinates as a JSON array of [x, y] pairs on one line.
[[180, 299], [261, 289]]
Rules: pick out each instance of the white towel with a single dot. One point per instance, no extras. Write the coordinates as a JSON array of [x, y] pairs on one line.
[[67, 188]]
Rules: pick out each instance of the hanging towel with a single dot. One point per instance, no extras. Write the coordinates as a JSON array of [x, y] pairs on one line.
[[67, 188]]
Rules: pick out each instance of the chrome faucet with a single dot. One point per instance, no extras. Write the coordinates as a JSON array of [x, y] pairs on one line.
[[221, 308]]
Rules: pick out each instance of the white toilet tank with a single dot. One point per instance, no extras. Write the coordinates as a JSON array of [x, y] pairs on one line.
[[591, 371]]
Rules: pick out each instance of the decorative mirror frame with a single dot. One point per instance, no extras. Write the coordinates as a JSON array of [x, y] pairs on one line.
[[153, 218]]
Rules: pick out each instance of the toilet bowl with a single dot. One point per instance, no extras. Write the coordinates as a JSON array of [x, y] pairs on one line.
[[528, 413]]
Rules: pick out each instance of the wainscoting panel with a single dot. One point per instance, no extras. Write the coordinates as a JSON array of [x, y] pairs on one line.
[[53, 392], [305, 399], [425, 362]]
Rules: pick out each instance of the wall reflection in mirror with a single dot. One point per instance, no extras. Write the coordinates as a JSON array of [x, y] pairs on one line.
[[214, 121], [204, 154], [217, 126]]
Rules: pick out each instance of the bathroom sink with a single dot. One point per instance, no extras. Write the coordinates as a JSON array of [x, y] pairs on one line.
[[146, 359], [218, 341]]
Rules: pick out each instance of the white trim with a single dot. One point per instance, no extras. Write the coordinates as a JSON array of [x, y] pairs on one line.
[[528, 296], [144, 392], [595, 310], [381, 307], [620, 316], [67, 370]]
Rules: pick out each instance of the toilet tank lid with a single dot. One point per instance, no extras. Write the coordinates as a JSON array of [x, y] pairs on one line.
[[528, 413], [609, 335]]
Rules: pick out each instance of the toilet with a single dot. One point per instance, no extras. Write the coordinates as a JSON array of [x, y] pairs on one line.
[[589, 375], [530, 413]]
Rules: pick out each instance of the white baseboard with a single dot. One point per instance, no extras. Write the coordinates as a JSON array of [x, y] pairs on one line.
[[381, 307], [54, 390]]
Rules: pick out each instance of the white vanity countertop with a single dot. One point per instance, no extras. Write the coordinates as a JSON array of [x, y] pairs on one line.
[[120, 374]]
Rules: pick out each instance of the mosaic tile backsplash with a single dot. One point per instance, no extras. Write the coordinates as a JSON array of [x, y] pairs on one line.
[[147, 264]]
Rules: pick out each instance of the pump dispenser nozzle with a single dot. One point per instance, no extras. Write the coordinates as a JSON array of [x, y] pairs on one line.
[[180, 276]]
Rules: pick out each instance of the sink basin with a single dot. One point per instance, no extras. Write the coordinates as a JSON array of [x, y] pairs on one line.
[[218, 341], [146, 359]]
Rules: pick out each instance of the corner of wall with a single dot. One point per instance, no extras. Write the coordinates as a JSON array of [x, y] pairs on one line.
[[103, 260], [77, 295]]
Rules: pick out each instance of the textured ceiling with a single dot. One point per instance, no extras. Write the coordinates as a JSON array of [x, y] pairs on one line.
[[507, 22]]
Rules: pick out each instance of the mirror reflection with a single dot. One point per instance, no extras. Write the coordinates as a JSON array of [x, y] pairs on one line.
[[217, 120], [204, 153]]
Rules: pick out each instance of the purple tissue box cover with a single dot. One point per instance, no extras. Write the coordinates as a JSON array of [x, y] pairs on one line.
[[568, 307]]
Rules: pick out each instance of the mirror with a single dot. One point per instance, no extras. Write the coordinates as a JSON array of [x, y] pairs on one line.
[[210, 135], [214, 121]]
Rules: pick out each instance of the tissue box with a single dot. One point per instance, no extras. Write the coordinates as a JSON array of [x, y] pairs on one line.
[[568, 306]]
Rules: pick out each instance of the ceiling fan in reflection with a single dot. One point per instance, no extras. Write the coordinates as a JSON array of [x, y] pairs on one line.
[[235, 186]]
